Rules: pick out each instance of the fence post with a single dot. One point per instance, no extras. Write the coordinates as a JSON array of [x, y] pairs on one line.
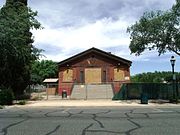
[[47, 90], [177, 92], [127, 91], [86, 91]]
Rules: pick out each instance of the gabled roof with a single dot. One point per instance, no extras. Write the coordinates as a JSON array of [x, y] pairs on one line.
[[97, 51]]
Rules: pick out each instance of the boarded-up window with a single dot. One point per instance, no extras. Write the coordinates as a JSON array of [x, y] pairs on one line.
[[93, 75], [68, 75], [118, 74]]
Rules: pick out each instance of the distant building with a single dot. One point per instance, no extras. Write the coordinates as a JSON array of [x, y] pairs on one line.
[[93, 67], [51, 85]]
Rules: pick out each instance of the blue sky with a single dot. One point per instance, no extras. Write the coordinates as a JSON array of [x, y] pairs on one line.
[[72, 26]]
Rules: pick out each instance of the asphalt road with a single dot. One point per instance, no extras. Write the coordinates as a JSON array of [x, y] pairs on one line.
[[90, 121]]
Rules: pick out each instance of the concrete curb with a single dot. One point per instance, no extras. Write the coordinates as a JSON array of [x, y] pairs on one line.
[[93, 103]]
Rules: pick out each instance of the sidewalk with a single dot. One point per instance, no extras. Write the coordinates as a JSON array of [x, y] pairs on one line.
[[93, 103]]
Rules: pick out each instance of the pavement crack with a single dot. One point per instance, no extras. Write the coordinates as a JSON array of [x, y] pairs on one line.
[[70, 114], [99, 122], [5, 130], [130, 112], [127, 115], [81, 112], [53, 131], [131, 130], [85, 129], [47, 114], [108, 111], [104, 131], [147, 115]]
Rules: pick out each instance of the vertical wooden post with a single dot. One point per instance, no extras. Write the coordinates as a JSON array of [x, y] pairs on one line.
[[86, 91], [47, 90]]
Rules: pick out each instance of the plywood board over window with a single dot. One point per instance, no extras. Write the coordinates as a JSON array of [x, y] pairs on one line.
[[68, 75], [118, 74], [93, 75]]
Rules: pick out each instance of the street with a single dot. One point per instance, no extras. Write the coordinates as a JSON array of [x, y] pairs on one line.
[[90, 121]]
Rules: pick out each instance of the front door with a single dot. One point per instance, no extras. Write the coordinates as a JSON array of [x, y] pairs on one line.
[[93, 75]]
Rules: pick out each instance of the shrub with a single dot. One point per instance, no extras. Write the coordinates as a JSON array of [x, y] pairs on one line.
[[6, 96], [23, 97], [22, 102]]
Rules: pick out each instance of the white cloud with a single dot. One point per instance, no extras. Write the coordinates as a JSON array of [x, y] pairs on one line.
[[72, 27], [99, 34], [77, 26]]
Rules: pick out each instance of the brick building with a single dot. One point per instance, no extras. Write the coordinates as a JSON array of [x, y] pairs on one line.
[[93, 67]]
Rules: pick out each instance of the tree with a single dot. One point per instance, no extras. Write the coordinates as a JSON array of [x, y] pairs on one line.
[[43, 69], [16, 49], [156, 77], [157, 30]]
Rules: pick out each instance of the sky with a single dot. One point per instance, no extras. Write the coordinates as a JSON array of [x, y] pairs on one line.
[[73, 26]]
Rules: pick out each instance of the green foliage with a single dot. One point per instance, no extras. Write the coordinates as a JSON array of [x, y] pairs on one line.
[[157, 30], [16, 49], [156, 77], [6, 96], [23, 97], [43, 69], [22, 102]]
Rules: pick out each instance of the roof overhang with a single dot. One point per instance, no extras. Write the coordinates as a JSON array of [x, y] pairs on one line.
[[97, 51], [50, 80]]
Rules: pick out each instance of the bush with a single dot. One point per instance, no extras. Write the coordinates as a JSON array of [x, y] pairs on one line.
[[22, 102], [6, 96], [23, 97]]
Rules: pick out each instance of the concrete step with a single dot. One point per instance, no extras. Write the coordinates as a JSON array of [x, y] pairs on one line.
[[92, 91], [78, 92]]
